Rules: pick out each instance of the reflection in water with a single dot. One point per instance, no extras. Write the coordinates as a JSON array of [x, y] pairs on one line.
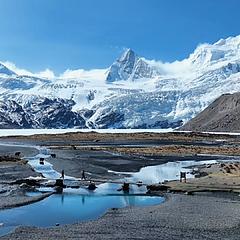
[[83, 200], [69, 208], [167, 171]]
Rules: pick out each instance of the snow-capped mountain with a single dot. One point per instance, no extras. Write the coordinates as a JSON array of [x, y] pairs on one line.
[[132, 93]]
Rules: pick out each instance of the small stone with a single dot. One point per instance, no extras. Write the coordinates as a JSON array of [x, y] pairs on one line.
[[188, 193]]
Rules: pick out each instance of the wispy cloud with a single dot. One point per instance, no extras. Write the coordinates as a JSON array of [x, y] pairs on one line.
[[17, 70], [92, 74], [177, 67], [47, 73]]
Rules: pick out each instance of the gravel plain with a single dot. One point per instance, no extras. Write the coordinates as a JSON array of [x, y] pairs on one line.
[[197, 217]]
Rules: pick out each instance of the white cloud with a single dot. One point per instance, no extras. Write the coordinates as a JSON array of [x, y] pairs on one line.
[[172, 68], [14, 68], [47, 73], [93, 74]]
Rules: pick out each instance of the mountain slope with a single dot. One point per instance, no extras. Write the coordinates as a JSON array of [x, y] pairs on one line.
[[4, 70], [223, 115], [42, 113]]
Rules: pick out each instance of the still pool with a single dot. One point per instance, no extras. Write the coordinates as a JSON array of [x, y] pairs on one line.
[[69, 208]]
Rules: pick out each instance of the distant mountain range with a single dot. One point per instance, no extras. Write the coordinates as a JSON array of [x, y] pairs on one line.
[[132, 93]]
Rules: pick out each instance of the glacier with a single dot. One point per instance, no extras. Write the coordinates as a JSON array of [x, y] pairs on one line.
[[133, 92]]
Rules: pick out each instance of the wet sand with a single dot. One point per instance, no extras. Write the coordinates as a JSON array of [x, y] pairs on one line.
[[97, 163]]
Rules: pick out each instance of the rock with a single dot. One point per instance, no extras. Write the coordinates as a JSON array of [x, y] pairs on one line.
[[221, 115], [92, 186], [29, 182], [188, 193], [59, 183], [157, 187]]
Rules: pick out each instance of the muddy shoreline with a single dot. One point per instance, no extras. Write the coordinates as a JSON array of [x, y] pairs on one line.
[[190, 217]]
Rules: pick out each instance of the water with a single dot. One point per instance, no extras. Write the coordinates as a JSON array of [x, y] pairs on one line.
[[168, 171], [69, 208]]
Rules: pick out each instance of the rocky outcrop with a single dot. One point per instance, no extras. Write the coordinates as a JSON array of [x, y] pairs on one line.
[[42, 113], [223, 115]]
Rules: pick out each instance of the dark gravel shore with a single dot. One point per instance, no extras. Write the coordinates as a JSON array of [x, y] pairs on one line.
[[180, 217]]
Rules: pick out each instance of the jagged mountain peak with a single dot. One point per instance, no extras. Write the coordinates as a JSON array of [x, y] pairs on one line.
[[5, 70], [230, 41], [129, 67], [208, 54], [128, 55]]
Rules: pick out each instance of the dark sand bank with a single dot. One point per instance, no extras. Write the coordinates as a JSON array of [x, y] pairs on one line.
[[122, 137], [97, 163]]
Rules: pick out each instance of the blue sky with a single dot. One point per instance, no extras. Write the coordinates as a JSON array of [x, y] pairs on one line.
[[62, 34]]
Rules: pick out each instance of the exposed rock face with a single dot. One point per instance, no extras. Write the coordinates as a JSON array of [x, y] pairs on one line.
[[109, 120], [223, 115], [54, 113], [12, 115], [42, 113], [5, 70]]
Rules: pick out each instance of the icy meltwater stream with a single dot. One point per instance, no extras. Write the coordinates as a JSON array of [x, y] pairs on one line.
[[75, 205]]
